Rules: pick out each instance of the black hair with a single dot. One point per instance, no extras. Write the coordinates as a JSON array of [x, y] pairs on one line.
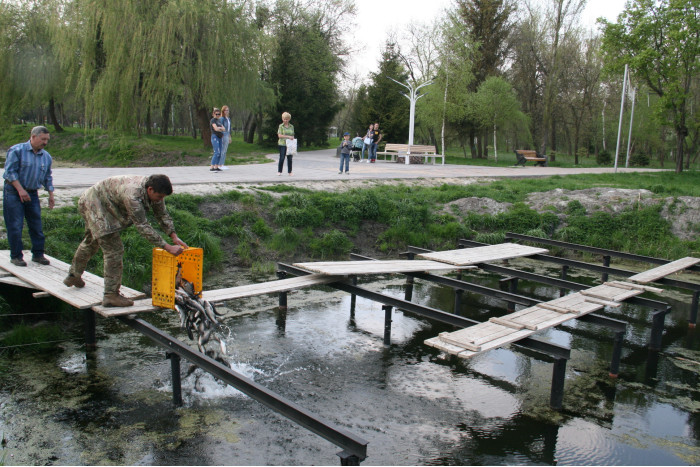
[[160, 184]]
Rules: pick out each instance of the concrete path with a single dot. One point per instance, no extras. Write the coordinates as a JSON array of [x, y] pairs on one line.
[[315, 165]]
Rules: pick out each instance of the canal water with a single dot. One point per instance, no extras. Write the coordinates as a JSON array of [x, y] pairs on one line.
[[413, 404]]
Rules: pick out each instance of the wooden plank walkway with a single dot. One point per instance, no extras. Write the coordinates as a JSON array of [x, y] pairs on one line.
[[504, 330], [231, 293], [50, 279], [664, 270], [7, 278], [483, 254], [344, 268]]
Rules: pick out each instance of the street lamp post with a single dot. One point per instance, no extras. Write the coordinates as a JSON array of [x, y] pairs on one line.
[[412, 96]]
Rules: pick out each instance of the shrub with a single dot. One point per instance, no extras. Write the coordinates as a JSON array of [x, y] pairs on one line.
[[296, 217], [639, 160], [603, 158], [332, 244]]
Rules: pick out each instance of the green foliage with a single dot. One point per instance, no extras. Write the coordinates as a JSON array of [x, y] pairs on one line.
[[603, 158], [575, 208], [286, 240], [297, 217], [261, 229], [43, 337], [639, 160], [332, 244]]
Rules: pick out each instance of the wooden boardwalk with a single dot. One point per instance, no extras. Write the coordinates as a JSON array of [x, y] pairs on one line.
[[464, 342], [497, 332]]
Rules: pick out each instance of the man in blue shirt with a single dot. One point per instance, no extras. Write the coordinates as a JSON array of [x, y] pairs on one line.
[[27, 168]]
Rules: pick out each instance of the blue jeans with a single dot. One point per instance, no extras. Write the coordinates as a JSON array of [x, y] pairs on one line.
[[14, 212], [369, 151], [216, 145], [283, 154], [224, 147], [373, 151], [344, 158]]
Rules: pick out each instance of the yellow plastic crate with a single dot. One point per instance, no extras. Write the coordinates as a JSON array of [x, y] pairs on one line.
[[165, 268]]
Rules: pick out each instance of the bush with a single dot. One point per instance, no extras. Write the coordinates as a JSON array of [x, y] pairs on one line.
[[639, 160], [334, 243], [603, 158]]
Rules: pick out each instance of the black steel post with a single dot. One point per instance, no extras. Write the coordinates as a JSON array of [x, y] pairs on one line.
[[175, 370], [353, 299], [283, 295], [458, 301], [90, 330], [606, 263], [387, 324], [657, 328], [694, 310], [556, 399], [564, 274], [512, 288], [616, 354], [348, 459]]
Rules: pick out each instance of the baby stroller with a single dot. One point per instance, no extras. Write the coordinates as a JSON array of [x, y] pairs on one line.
[[356, 148]]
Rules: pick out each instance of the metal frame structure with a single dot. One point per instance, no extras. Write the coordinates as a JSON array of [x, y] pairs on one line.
[[557, 353], [354, 447], [606, 269]]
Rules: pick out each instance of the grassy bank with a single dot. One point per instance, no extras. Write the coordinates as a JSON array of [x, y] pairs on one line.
[[98, 148]]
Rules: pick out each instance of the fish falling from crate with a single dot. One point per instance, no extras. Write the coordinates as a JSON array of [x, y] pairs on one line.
[[199, 318]]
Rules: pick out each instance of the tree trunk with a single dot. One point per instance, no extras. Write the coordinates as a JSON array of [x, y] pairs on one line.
[[149, 123], [52, 116], [260, 127], [472, 144], [681, 133], [165, 116]]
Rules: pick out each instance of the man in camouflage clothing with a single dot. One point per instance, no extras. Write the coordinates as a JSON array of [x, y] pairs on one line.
[[111, 206]]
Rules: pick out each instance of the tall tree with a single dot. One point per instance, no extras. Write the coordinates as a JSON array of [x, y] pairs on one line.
[[488, 24], [385, 102], [306, 65], [660, 41], [127, 56]]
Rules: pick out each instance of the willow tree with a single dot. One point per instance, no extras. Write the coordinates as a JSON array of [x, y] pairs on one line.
[[31, 75], [128, 56]]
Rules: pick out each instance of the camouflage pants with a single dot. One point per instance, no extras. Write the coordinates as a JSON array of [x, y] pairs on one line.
[[112, 252]]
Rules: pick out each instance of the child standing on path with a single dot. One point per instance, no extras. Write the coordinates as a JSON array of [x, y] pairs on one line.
[[345, 148]]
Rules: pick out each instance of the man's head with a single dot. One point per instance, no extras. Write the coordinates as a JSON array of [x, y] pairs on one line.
[[376, 126], [158, 187], [40, 138], [346, 135]]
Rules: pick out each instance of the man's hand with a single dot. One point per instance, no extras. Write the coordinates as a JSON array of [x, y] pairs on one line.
[[177, 241], [173, 249], [52, 202]]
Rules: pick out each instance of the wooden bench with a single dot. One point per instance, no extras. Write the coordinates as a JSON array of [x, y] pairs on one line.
[[525, 155], [418, 153]]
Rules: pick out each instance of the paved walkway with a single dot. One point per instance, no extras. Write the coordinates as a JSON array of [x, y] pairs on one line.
[[315, 165]]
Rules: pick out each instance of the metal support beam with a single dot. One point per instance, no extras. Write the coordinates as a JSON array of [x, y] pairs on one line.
[[606, 263], [387, 324], [547, 348], [352, 444], [175, 370], [617, 353], [282, 295], [657, 329], [90, 329], [458, 302], [556, 396], [693, 319]]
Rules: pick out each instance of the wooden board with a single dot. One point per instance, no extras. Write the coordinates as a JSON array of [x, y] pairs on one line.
[[498, 332], [482, 254], [344, 268], [221, 295], [7, 278], [662, 271], [50, 279]]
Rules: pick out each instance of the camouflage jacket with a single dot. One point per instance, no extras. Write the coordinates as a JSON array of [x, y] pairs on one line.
[[115, 203]]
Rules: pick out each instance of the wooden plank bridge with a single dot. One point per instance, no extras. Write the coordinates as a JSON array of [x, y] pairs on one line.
[[465, 343]]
